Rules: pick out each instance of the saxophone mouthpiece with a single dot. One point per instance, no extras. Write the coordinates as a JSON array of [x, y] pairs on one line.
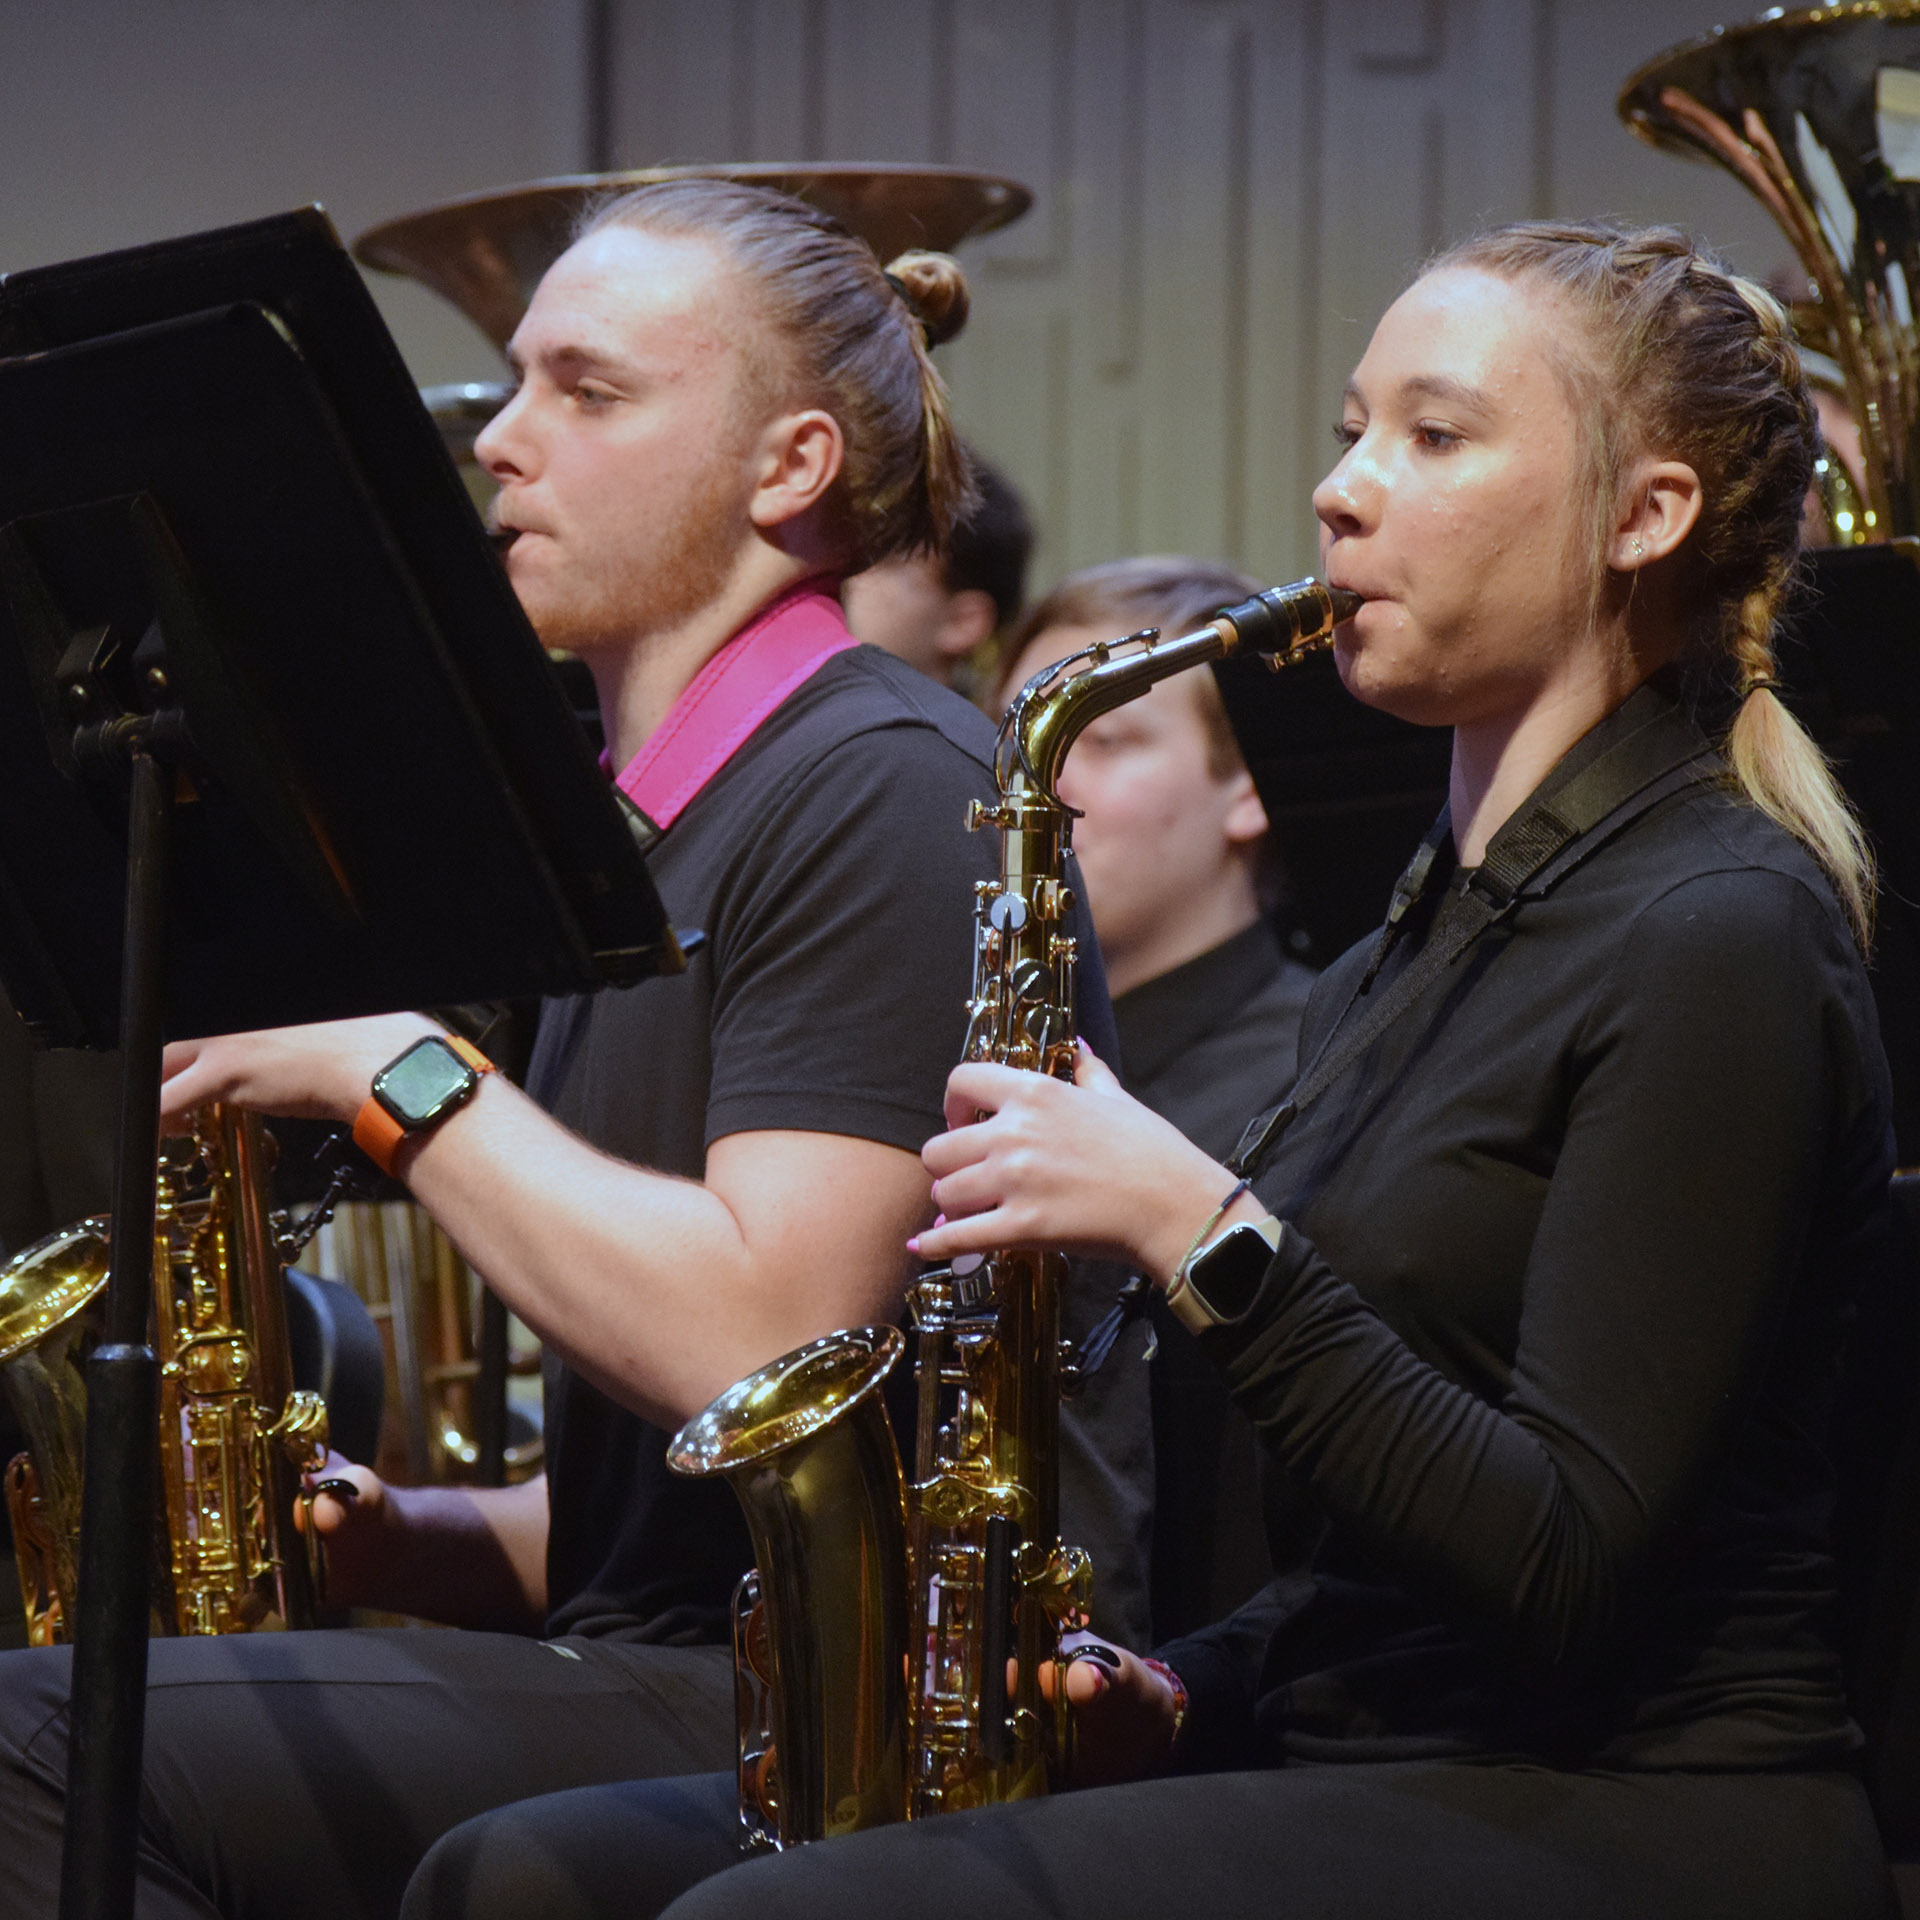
[[1285, 624]]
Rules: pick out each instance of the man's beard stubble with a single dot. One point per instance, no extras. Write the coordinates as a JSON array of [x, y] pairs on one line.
[[691, 560]]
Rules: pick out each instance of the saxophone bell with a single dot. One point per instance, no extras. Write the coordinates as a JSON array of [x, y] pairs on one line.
[[820, 1627]]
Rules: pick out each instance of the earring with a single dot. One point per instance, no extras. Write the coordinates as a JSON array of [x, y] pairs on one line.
[[1639, 547]]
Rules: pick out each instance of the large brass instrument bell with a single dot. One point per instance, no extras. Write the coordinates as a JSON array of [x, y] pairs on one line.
[[486, 252], [1818, 113], [235, 1433], [868, 1587]]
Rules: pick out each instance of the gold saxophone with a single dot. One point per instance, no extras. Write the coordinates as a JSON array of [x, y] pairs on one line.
[[235, 1433], [873, 1638]]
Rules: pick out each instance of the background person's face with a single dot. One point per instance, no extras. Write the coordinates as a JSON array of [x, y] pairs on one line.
[[625, 458], [1454, 508], [1159, 826]]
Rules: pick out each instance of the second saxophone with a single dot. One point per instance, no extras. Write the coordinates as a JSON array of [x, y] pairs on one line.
[[875, 1636]]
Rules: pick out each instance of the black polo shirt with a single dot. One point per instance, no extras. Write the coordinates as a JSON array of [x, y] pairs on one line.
[[828, 868]]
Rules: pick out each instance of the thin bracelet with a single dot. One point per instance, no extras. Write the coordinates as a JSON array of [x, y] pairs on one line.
[[1174, 1681], [1213, 1220]]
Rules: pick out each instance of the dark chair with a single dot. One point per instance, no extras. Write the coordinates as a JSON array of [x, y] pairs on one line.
[[336, 1352], [1877, 1536]]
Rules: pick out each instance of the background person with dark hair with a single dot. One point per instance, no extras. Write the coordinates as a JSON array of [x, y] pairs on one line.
[[942, 614]]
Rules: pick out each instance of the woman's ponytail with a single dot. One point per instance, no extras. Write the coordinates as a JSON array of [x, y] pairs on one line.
[[1786, 775]]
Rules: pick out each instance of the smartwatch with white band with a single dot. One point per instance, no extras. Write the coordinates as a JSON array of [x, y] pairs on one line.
[[1215, 1284]]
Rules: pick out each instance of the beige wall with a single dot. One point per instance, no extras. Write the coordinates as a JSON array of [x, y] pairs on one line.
[[1229, 190]]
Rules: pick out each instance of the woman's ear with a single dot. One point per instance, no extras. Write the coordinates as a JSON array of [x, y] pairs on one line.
[[1659, 508], [800, 458]]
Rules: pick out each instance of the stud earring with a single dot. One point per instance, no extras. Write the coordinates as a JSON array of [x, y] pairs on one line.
[[1639, 547]]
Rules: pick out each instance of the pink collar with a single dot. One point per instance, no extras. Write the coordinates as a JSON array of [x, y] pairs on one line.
[[782, 647]]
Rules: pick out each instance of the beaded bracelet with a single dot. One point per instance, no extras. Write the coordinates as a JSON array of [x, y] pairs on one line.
[[1179, 1687]]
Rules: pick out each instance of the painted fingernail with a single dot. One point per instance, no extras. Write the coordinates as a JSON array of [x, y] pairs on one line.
[[345, 1491], [913, 1245]]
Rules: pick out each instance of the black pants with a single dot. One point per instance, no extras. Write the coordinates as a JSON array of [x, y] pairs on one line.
[[304, 1774], [1403, 1842]]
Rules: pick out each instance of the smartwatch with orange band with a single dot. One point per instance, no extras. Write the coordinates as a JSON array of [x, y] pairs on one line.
[[433, 1078]]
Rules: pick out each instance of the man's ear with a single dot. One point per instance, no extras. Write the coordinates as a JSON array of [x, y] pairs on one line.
[[800, 458], [1660, 506], [969, 617], [1246, 818]]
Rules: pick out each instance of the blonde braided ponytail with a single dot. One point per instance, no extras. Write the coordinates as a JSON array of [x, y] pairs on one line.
[[1688, 358], [1786, 775]]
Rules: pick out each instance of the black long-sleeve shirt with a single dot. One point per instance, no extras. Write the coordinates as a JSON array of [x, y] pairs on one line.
[[1553, 1338], [1206, 1046]]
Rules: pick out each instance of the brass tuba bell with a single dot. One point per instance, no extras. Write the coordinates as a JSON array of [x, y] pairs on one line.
[[1818, 113]]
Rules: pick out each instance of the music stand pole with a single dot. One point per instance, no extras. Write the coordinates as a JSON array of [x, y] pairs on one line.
[[107, 1717]]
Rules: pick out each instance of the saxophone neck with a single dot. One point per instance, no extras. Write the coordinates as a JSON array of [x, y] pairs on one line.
[[1281, 626]]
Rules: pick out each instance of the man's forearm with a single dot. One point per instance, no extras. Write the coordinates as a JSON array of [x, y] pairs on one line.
[[463, 1556], [662, 1291]]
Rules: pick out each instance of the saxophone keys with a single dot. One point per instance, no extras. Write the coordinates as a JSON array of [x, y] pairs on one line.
[[1052, 900]]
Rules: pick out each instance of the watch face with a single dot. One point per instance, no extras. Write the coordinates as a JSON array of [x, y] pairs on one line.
[[1229, 1273], [419, 1085]]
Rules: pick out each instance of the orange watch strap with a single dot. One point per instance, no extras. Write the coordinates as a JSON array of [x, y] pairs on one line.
[[378, 1134]]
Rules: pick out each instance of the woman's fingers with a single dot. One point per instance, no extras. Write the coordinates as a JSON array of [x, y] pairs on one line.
[[1089, 1070], [978, 1188], [983, 1233], [947, 1153], [979, 1088]]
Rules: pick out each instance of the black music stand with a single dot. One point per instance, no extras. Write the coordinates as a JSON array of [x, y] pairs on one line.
[[1348, 792], [1850, 662], [276, 745]]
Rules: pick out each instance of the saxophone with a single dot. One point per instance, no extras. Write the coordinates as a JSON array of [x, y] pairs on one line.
[[874, 1637], [235, 1434]]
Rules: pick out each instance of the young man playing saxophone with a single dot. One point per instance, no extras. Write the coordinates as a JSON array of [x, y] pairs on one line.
[[723, 407]]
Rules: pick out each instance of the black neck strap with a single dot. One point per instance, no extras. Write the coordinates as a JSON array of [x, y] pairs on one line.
[[1660, 753]]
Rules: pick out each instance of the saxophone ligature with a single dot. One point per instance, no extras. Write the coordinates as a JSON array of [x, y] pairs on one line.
[[875, 1638], [235, 1433]]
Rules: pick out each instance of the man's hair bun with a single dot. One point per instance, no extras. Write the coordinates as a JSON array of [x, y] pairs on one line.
[[856, 343], [934, 286]]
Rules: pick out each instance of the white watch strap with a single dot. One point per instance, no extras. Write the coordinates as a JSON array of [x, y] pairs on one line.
[[1188, 1307]]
